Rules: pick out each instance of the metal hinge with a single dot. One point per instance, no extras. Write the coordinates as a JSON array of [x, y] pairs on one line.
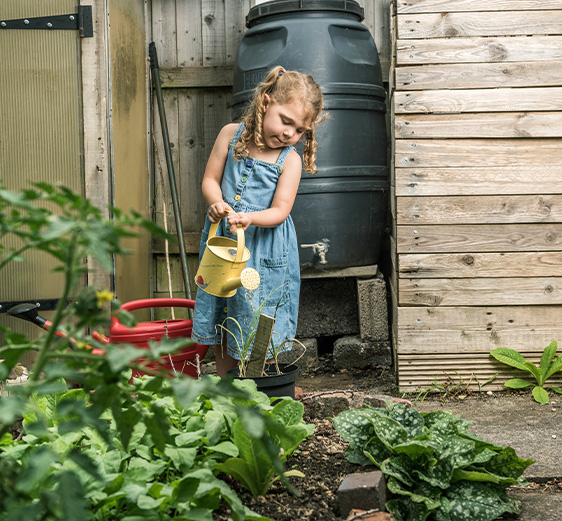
[[80, 21]]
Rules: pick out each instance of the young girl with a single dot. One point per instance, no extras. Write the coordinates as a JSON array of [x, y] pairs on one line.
[[251, 179]]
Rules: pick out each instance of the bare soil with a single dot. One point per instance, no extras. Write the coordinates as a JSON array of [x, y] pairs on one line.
[[322, 460]]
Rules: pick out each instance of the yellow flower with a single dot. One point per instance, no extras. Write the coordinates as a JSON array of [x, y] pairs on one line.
[[103, 297]]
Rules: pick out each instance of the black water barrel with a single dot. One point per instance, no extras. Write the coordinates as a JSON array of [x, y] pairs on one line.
[[340, 211]]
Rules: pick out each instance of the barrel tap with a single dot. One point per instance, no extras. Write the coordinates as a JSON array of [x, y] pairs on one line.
[[320, 249]]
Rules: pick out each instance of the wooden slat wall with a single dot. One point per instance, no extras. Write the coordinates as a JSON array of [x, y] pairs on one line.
[[477, 121], [197, 44]]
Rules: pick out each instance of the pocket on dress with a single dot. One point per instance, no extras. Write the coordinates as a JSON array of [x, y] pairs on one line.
[[274, 281]]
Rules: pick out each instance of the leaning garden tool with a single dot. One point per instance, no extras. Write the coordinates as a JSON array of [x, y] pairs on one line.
[[171, 174], [222, 269]]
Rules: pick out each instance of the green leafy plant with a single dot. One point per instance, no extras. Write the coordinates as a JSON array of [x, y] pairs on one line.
[[244, 342], [114, 448], [253, 466], [436, 469], [548, 366]]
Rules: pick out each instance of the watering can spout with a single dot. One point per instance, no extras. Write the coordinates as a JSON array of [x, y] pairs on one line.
[[249, 279]]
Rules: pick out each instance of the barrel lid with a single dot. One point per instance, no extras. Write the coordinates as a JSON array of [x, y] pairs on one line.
[[276, 7]]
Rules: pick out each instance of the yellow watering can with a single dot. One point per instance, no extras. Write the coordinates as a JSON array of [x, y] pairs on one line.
[[222, 268]]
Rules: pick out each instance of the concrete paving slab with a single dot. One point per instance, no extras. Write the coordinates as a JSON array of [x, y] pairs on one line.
[[534, 430]]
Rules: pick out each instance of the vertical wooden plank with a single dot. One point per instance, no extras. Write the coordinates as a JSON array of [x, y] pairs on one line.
[[164, 30], [190, 119], [189, 35], [214, 45], [235, 26], [94, 113], [214, 53]]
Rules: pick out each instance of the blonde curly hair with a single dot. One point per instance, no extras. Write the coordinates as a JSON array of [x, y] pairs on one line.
[[282, 87]]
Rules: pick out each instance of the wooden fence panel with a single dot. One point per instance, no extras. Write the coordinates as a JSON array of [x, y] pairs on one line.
[[477, 123]]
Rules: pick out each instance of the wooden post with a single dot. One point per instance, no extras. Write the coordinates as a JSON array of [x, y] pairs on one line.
[[262, 339]]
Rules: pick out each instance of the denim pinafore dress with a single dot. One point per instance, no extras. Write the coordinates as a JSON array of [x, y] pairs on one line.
[[249, 186]]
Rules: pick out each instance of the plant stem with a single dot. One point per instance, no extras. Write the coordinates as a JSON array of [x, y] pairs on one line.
[[69, 279]]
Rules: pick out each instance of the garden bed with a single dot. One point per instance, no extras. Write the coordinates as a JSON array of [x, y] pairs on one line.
[[322, 460]]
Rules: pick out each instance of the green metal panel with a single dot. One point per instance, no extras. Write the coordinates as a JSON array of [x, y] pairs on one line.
[[40, 127]]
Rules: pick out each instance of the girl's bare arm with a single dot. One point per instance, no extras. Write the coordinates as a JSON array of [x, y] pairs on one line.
[[211, 185]]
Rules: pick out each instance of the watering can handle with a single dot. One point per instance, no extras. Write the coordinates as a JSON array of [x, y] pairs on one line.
[[158, 303], [154, 303], [239, 237]]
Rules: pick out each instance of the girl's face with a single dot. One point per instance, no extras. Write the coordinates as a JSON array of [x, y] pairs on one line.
[[283, 124]]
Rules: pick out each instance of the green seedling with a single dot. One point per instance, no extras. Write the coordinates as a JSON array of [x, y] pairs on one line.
[[547, 367]]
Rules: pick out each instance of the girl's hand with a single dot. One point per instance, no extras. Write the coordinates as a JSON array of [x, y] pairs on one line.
[[218, 210], [242, 218]]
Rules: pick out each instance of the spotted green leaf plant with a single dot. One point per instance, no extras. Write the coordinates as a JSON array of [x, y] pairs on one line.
[[435, 469], [548, 366]]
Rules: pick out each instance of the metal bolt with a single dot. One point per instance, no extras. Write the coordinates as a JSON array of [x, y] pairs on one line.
[[71, 17], [37, 304], [49, 24], [415, 232], [26, 22], [3, 24]]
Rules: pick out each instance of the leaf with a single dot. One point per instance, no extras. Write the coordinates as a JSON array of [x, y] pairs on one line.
[[480, 476], [37, 469], [430, 502], [355, 427], [510, 357], [471, 501], [507, 463], [547, 356], [258, 467], [389, 431], [288, 412], [554, 368], [409, 418], [71, 496], [517, 383], [224, 447], [416, 448], [182, 458], [556, 389], [535, 371], [400, 468], [540, 395], [239, 470], [403, 509]]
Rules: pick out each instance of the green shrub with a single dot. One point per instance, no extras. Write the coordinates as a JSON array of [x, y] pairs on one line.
[[435, 468]]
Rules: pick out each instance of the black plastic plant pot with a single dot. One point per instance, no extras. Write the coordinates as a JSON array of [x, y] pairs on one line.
[[274, 385]]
